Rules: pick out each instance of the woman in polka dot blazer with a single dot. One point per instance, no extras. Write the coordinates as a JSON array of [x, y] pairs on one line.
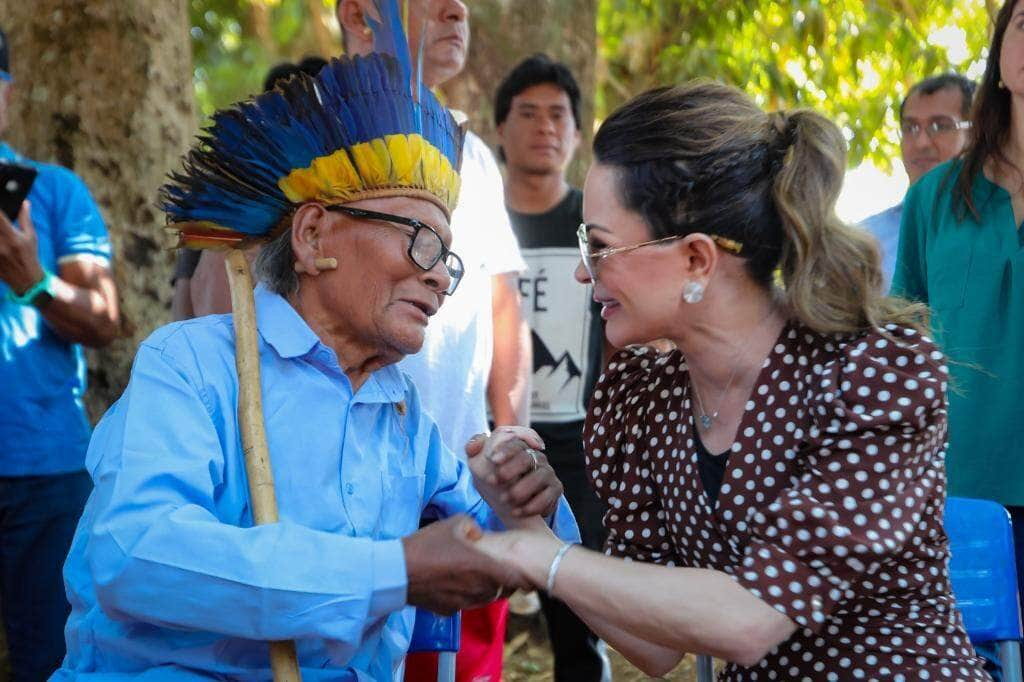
[[777, 481]]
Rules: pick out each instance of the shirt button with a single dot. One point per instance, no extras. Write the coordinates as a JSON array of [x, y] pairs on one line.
[[817, 603], [349, 488]]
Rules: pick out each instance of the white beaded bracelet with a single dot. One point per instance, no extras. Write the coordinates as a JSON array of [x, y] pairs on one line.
[[555, 563]]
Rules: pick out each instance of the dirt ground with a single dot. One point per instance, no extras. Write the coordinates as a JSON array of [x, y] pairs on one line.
[[528, 656]]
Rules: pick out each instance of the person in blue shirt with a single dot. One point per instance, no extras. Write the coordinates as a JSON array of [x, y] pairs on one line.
[[167, 575], [56, 293], [934, 127]]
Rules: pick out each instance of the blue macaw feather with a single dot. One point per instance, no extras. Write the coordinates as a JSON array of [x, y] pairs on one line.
[[390, 35]]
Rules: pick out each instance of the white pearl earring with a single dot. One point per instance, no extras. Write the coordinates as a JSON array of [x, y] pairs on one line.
[[693, 292]]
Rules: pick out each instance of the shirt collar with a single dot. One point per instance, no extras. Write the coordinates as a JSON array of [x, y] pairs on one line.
[[287, 333], [386, 385], [281, 326], [8, 154]]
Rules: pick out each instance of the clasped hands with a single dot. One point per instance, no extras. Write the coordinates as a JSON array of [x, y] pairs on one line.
[[448, 563]]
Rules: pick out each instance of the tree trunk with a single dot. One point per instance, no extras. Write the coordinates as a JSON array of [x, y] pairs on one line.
[[259, 23], [104, 87], [506, 31], [326, 45]]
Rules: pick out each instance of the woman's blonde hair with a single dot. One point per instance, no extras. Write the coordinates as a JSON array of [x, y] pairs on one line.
[[703, 157]]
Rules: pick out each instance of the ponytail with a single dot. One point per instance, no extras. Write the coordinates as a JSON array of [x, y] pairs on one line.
[[831, 272]]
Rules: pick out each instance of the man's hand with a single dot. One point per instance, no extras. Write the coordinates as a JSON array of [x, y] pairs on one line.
[[512, 474], [447, 574], [84, 307], [19, 252]]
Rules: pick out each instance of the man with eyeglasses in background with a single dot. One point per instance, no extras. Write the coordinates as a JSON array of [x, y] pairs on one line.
[[933, 129]]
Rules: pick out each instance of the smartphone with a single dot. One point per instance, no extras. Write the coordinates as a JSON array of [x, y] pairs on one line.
[[15, 183]]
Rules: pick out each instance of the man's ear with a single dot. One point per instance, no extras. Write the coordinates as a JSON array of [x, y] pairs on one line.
[[355, 29], [310, 224], [576, 140]]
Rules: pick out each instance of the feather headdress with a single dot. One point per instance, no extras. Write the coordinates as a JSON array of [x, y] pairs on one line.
[[364, 127]]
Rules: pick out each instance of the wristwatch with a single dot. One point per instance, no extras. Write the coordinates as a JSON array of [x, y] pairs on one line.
[[39, 294]]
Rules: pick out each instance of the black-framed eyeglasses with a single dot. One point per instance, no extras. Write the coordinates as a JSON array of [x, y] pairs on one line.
[[590, 258], [426, 248], [937, 126]]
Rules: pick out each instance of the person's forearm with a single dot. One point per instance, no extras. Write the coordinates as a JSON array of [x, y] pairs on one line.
[[80, 315], [653, 660], [508, 386], [679, 609], [165, 573]]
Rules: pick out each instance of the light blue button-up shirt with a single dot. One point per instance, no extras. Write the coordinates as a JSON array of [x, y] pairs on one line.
[[167, 577], [886, 228]]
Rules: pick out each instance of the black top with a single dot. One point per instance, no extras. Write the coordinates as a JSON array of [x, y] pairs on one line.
[[711, 469], [555, 227]]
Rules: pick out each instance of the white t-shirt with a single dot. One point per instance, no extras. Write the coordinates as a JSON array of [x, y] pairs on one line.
[[452, 369]]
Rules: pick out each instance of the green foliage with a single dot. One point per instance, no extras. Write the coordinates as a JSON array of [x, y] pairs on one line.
[[852, 60], [235, 42]]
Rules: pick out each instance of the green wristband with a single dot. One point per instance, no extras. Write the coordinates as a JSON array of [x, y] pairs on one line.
[[45, 285]]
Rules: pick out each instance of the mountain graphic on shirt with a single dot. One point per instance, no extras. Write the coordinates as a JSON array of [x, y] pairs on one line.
[[564, 367]]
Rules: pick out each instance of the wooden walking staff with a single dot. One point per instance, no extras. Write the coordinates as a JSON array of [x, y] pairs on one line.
[[283, 660]]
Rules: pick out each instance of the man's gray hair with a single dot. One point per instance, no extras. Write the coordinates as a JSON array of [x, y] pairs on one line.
[[275, 265]]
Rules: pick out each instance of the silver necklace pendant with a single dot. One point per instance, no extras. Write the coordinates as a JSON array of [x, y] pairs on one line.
[[706, 419]]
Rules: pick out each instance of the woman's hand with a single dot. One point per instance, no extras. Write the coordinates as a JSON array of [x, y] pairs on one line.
[[513, 475], [526, 552], [447, 572]]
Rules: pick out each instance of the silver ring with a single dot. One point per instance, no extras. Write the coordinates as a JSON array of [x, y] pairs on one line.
[[533, 454]]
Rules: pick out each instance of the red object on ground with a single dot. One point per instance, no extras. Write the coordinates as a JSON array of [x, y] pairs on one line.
[[480, 654]]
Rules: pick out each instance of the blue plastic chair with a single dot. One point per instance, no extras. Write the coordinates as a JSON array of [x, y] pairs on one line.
[[983, 571], [437, 634]]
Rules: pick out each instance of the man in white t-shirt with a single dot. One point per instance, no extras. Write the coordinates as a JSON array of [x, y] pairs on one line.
[[451, 372], [477, 349]]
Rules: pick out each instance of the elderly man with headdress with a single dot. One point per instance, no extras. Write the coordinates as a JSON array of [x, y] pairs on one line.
[[352, 175]]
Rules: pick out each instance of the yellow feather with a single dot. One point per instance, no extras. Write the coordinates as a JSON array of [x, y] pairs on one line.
[[299, 185], [337, 175], [372, 162], [391, 163], [402, 157]]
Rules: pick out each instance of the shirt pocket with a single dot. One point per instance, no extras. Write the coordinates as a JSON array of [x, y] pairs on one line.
[[401, 505], [949, 275]]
